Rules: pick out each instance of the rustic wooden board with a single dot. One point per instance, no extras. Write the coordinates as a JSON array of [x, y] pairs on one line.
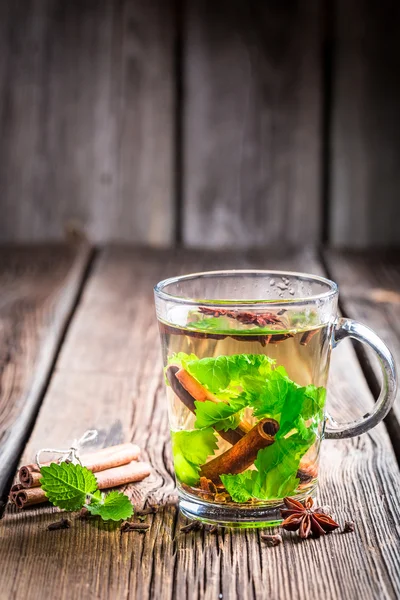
[[109, 376], [365, 156], [370, 292], [86, 103], [252, 108], [39, 286]]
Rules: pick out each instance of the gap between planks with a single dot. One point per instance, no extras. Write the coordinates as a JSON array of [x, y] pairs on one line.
[[35, 388]]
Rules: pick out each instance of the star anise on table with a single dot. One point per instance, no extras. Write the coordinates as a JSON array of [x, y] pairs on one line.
[[301, 516]]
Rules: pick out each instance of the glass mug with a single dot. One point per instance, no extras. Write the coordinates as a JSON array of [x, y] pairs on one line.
[[246, 358]]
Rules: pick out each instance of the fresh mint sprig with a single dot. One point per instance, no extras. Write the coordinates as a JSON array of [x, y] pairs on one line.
[[72, 487]]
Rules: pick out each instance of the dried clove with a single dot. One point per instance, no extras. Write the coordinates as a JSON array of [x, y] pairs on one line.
[[62, 524], [271, 540], [348, 527], [192, 526], [210, 528], [127, 526], [149, 510]]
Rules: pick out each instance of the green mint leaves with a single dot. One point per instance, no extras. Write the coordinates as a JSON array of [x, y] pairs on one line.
[[226, 374], [191, 450], [71, 487], [67, 485], [114, 506], [276, 474], [253, 381], [219, 415]]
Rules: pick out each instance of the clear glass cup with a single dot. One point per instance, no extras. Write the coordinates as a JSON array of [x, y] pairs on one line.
[[246, 357]]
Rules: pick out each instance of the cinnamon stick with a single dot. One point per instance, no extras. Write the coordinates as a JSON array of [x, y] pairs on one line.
[[15, 488], [242, 454], [135, 471], [194, 388], [232, 435], [29, 497], [100, 460], [110, 478]]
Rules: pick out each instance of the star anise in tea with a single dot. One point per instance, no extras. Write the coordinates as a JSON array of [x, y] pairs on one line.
[[247, 318], [301, 516]]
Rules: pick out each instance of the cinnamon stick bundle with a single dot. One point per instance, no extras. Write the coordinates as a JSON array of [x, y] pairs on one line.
[[242, 454], [109, 478], [99, 460]]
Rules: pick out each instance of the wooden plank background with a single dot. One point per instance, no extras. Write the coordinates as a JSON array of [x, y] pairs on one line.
[[113, 374], [86, 117], [252, 116], [365, 167], [209, 123]]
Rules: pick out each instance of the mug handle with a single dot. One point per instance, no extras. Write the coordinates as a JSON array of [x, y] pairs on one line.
[[348, 328]]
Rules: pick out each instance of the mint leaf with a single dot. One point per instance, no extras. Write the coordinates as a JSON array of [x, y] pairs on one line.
[[191, 449], [305, 402], [277, 467], [181, 358], [230, 374], [276, 474], [219, 415], [66, 485], [314, 401], [113, 507], [270, 398], [239, 487]]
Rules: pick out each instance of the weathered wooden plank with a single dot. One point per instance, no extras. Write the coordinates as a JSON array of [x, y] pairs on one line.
[[39, 286], [365, 176], [109, 376], [252, 94], [370, 291], [86, 104]]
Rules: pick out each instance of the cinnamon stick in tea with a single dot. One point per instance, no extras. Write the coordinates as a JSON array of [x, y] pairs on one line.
[[100, 460], [243, 454], [110, 478], [232, 435], [201, 393]]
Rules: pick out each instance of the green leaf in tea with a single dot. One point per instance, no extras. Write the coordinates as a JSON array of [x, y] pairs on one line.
[[219, 415], [191, 449], [239, 487], [276, 474], [223, 372], [66, 485]]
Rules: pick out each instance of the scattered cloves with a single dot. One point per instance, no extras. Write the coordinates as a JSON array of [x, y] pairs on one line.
[[210, 527], [271, 540], [127, 526], [149, 510], [84, 514], [192, 526], [62, 524], [348, 527]]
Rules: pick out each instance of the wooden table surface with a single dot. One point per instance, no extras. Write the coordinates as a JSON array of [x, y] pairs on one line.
[[79, 349]]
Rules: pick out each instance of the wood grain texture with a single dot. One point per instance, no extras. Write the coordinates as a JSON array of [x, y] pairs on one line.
[[86, 115], [365, 174], [39, 286], [252, 95], [109, 376], [370, 292]]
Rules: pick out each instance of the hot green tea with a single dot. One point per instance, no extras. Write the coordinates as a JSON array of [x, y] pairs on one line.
[[246, 398]]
